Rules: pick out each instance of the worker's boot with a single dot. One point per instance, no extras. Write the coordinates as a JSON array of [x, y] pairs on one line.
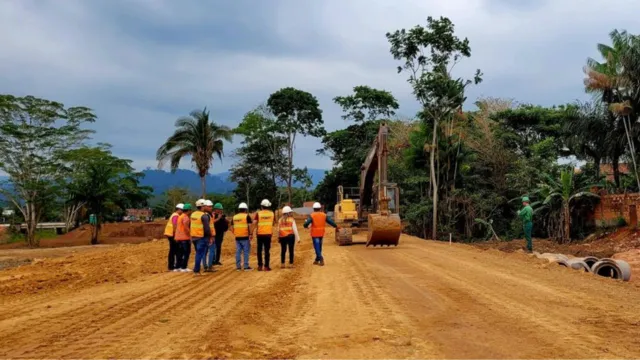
[[322, 262], [316, 262], [281, 266], [260, 268]]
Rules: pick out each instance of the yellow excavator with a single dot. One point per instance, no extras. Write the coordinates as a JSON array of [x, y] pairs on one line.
[[376, 206]]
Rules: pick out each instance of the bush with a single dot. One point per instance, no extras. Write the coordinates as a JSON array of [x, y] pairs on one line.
[[621, 222]]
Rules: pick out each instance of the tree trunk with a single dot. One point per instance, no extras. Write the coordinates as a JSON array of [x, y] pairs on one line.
[[203, 185], [434, 181], [95, 229], [566, 238], [31, 223], [615, 161], [632, 148]]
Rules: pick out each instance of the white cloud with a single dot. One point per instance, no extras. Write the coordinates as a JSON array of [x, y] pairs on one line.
[[81, 52]]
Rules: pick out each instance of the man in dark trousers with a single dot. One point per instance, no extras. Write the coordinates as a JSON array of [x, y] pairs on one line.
[[265, 219], [170, 233], [220, 225]]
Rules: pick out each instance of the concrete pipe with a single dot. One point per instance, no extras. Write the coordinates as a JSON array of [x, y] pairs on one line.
[[616, 269], [553, 257], [578, 264], [589, 260]]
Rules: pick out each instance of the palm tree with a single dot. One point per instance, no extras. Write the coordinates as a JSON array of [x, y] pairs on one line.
[[198, 137], [618, 81], [565, 195]]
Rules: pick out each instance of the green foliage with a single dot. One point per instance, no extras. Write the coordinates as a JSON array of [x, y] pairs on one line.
[[297, 112], [367, 104], [197, 137], [621, 222], [35, 135], [106, 184]]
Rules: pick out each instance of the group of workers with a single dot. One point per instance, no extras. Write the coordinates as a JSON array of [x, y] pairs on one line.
[[205, 226]]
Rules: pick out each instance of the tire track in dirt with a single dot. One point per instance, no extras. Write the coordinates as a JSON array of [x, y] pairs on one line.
[[104, 333], [28, 310], [515, 306], [90, 317]]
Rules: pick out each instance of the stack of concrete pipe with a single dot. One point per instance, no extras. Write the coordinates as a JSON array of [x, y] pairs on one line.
[[616, 269]]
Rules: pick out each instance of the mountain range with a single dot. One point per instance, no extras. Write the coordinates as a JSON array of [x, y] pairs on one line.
[[161, 180]]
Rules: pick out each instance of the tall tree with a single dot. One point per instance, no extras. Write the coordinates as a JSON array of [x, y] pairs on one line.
[[35, 134], [617, 81], [262, 144], [429, 55], [367, 104], [198, 137], [297, 113], [107, 184]]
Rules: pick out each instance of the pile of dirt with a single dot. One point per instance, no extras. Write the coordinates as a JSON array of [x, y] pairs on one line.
[[110, 233]]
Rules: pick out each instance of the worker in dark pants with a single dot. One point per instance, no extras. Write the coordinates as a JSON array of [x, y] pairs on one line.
[[170, 233], [265, 219], [288, 235], [183, 238], [220, 225], [526, 214]]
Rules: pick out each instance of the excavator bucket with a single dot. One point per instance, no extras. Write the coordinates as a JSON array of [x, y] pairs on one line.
[[384, 230]]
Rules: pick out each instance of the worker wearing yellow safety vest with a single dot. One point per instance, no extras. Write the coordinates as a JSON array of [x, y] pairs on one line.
[[170, 233], [200, 233], [287, 234], [241, 228], [265, 219]]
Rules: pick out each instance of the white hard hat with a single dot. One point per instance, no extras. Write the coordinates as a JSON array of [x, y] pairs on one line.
[[200, 202], [317, 205], [180, 206], [243, 206], [265, 203], [286, 210], [208, 203]]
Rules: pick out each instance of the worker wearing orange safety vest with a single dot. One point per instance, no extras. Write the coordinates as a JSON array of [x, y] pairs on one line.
[[200, 233], [240, 226], [265, 219], [170, 232], [288, 235], [318, 220], [183, 238]]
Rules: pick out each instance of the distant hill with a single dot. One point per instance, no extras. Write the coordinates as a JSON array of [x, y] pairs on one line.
[[162, 180]]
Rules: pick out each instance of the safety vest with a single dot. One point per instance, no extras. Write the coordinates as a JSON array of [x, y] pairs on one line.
[[169, 230], [213, 230], [197, 230], [265, 222], [182, 231], [286, 227], [240, 225], [318, 222]]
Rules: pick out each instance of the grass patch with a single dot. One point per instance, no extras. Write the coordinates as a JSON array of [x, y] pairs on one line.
[[41, 234]]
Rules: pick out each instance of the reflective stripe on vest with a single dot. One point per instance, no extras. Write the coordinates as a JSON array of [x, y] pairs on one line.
[[182, 232], [265, 222], [318, 223], [168, 230], [240, 225], [197, 230], [286, 227]]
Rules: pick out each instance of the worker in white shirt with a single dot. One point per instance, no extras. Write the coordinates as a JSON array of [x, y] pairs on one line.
[[288, 235]]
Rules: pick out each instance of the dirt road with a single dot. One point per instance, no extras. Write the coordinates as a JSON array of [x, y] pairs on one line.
[[419, 300]]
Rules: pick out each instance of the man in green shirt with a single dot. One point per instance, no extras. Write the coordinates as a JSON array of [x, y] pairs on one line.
[[526, 214]]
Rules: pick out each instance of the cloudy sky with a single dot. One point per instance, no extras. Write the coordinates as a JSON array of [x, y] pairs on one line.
[[142, 63]]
